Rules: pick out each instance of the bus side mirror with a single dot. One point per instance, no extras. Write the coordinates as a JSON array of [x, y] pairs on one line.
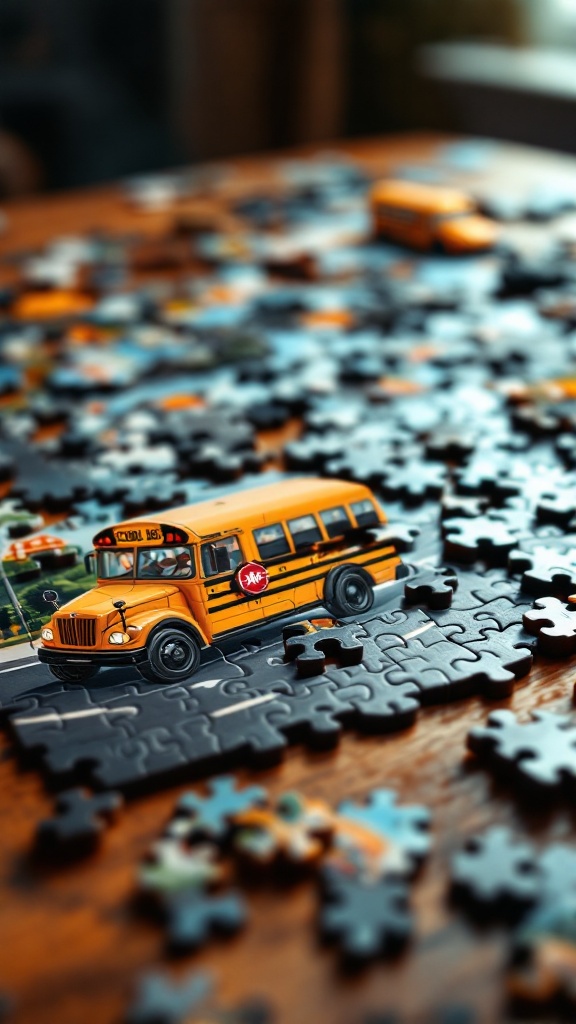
[[222, 560], [90, 563]]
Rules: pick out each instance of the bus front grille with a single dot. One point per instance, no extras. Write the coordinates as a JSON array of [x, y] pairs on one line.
[[77, 632]]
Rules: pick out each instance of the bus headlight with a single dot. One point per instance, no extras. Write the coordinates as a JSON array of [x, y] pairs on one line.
[[119, 638], [47, 633]]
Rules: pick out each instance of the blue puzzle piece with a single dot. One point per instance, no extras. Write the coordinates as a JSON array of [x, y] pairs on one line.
[[211, 815], [406, 827]]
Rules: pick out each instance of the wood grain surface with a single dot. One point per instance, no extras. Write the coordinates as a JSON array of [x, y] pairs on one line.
[[72, 942]]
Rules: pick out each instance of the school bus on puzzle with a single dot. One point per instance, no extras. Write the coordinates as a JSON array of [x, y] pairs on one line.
[[427, 216], [167, 589]]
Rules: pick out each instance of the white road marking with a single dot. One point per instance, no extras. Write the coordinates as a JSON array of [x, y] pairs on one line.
[[53, 716], [209, 684], [421, 629], [244, 704], [15, 668]]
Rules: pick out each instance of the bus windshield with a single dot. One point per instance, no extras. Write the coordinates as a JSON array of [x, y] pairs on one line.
[[113, 565], [173, 562]]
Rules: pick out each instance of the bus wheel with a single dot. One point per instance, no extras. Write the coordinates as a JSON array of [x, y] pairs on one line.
[[172, 656], [74, 673], [348, 591]]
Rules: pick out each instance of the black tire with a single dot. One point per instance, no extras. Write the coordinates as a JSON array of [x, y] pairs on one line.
[[74, 673], [349, 590], [173, 655]]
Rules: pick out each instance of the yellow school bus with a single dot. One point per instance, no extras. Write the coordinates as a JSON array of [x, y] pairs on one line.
[[168, 587], [430, 216]]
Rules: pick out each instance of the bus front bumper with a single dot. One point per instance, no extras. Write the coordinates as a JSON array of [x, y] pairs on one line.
[[57, 656]]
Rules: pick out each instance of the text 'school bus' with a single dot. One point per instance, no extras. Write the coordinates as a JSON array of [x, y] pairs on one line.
[[167, 589], [430, 216]]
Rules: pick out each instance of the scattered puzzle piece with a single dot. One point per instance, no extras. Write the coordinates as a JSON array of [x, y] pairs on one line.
[[192, 1001], [542, 970], [434, 588], [545, 571], [540, 753], [172, 867], [381, 837], [79, 821], [468, 540], [366, 918], [554, 623], [193, 916], [297, 829], [310, 647], [212, 815], [160, 1001], [557, 508], [496, 873]]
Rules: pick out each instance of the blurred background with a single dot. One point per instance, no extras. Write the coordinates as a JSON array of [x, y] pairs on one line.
[[91, 90]]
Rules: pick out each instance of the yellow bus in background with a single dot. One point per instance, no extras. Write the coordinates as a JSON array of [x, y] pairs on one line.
[[430, 217], [166, 589]]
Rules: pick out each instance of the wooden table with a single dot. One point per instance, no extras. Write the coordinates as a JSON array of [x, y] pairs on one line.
[[72, 945]]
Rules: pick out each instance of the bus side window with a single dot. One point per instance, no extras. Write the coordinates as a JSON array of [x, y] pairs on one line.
[[336, 521], [398, 214], [221, 556], [305, 531], [365, 513], [271, 541]]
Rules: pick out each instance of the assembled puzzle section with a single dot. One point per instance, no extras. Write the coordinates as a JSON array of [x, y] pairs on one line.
[[248, 709]]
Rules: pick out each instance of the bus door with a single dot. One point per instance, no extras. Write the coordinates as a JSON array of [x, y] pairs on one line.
[[297, 578], [227, 606], [418, 228], [403, 224], [274, 551], [327, 553]]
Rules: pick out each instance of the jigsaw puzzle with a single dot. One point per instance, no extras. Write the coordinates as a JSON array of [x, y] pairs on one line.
[[287, 337]]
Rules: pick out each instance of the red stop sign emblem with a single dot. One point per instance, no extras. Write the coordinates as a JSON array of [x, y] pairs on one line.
[[252, 578]]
